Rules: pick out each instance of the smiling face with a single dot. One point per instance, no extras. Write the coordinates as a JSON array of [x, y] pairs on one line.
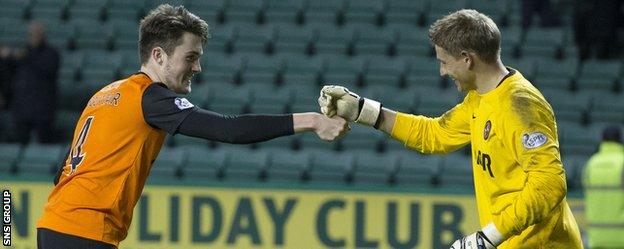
[[456, 68], [179, 67]]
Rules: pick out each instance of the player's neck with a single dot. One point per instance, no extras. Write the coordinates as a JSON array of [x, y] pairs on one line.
[[152, 73], [489, 76]]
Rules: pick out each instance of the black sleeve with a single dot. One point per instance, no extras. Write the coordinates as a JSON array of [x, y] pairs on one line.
[[163, 109], [236, 129]]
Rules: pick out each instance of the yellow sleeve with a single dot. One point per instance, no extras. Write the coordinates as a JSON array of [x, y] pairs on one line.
[[530, 132], [434, 135]]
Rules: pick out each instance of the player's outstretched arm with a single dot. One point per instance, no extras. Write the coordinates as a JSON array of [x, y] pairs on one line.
[[325, 128], [338, 100]]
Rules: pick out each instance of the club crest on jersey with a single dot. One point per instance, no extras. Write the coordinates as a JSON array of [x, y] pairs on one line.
[[487, 129], [183, 103], [533, 140]]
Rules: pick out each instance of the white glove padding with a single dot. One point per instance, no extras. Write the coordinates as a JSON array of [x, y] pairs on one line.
[[338, 100], [488, 238]]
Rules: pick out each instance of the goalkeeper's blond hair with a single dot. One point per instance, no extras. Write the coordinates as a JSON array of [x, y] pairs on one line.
[[467, 30]]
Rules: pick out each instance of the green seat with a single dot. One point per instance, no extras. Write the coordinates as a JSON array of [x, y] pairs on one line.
[[293, 39], [40, 159], [323, 12], [229, 99], [412, 41], [607, 108], [125, 35], [405, 11], [362, 138], [300, 70], [204, 164], [372, 40], [9, 154], [220, 68], [253, 39], [434, 102], [88, 10], [368, 12], [269, 99], [244, 11], [578, 140], [375, 168], [289, 12], [416, 169], [221, 39], [331, 167], [13, 32], [285, 143], [398, 99], [66, 123], [169, 163], [260, 69], [568, 106], [423, 72], [383, 71], [600, 69], [92, 35], [14, 9], [333, 40], [309, 140], [343, 70], [438, 9], [457, 171], [251, 167], [288, 166]]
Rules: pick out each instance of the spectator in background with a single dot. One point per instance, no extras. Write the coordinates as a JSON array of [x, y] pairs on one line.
[[603, 180], [543, 8], [595, 28], [33, 86]]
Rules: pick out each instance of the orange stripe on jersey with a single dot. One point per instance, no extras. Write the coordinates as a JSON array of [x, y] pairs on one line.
[[111, 155]]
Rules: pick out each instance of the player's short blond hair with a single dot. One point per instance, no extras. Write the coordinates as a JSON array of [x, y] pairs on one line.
[[467, 30], [164, 27]]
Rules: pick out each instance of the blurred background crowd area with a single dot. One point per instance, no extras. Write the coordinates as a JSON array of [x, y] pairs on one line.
[[272, 56]]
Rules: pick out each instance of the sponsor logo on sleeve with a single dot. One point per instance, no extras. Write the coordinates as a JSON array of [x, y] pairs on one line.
[[183, 103], [533, 140]]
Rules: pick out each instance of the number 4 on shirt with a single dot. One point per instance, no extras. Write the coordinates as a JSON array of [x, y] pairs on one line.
[[77, 154]]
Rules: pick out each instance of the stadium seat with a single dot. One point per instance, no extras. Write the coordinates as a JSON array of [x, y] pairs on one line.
[[180, 140], [269, 99], [373, 40], [60, 34], [92, 35], [121, 10], [424, 72], [290, 167], [219, 67], [9, 153], [437, 9], [384, 71], [310, 141], [434, 102], [14, 9], [331, 167], [252, 39], [574, 166], [251, 167], [261, 69], [418, 170], [554, 74], [293, 39], [457, 171], [286, 143], [221, 39], [87, 10], [398, 99], [13, 32], [574, 139], [333, 40], [362, 138], [229, 99], [543, 41], [412, 41], [287, 12], [373, 168], [343, 70], [305, 100], [65, 123], [368, 12], [204, 164], [200, 94], [607, 108], [40, 159], [324, 12], [49, 10], [169, 163], [407, 12], [125, 34], [568, 106], [526, 66], [301, 70], [244, 11]]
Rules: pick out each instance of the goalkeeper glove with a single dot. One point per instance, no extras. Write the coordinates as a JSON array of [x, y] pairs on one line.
[[338, 100], [488, 238]]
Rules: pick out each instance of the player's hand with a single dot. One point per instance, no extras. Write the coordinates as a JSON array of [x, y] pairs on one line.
[[329, 129], [338, 100], [488, 238]]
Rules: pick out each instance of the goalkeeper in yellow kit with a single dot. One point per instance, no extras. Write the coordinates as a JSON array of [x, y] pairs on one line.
[[518, 175]]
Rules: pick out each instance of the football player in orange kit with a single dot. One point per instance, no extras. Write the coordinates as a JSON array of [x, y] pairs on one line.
[[123, 126]]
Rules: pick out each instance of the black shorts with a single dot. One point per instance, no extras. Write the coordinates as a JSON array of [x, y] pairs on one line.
[[48, 239]]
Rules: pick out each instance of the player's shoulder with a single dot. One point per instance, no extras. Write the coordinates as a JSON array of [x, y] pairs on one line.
[[522, 94]]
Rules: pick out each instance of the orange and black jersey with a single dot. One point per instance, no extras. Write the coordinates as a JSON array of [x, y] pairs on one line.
[[116, 140]]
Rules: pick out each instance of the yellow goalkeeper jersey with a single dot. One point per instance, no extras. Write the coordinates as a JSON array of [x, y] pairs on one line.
[[518, 175]]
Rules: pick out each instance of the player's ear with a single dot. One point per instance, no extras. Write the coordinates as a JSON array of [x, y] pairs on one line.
[[158, 55], [468, 59]]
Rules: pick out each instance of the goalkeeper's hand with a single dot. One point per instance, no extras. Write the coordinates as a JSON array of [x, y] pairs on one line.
[[488, 238], [338, 100]]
